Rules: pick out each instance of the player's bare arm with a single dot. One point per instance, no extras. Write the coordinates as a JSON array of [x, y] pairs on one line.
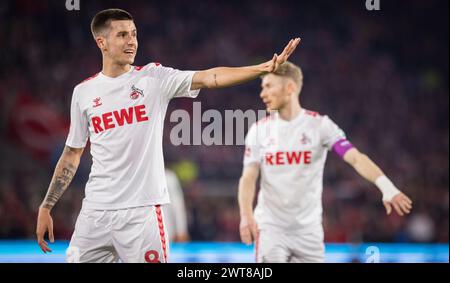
[[228, 76], [247, 184], [63, 175], [392, 197]]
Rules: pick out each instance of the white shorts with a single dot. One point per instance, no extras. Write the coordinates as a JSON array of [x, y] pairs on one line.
[[290, 246], [126, 235]]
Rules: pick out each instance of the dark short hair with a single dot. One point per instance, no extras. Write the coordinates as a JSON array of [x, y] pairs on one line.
[[102, 19]]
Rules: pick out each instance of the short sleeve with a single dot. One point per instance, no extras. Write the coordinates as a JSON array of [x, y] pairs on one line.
[[330, 133], [79, 128], [176, 83], [252, 147]]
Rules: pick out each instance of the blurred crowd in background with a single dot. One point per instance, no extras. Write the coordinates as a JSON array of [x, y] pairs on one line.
[[382, 76]]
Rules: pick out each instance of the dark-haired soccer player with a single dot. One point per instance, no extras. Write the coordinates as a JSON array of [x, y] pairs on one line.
[[121, 111]]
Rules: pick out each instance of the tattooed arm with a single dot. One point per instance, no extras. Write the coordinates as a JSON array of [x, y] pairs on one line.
[[227, 76], [64, 172]]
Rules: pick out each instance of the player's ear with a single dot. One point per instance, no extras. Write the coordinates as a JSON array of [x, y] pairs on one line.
[[290, 87], [101, 42]]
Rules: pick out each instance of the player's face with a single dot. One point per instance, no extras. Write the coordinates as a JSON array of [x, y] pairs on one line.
[[274, 92], [121, 42]]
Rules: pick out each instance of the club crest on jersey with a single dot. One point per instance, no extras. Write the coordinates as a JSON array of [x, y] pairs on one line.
[[305, 139], [97, 102], [136, 92]]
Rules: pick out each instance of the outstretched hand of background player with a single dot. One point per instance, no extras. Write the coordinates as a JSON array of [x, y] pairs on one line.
[[44, 224], [248, 229], [277, 60], [401, 203]]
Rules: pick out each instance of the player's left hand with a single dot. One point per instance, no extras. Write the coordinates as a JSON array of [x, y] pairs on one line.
[[401, 203], [277, 60]]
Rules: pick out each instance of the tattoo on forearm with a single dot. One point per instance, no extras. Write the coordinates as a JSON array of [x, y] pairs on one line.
[[215, 80], [58, 186]]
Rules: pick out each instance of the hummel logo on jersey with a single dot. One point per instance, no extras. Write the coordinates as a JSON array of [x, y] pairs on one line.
[[305, 139], [97, 102], [136, 92], [119, 118]]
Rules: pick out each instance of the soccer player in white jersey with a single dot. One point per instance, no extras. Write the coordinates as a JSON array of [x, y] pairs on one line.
[[288, 149], [175, 212], [121, 111]]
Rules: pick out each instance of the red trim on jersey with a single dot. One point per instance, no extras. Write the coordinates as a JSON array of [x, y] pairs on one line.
[[312, 113], [138, 68], [161, 230], [90, 78]]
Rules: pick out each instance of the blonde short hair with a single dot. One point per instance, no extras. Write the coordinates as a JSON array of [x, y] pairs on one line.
[[291, 71]]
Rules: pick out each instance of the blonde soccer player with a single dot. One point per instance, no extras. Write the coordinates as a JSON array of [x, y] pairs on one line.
[[288, 150]]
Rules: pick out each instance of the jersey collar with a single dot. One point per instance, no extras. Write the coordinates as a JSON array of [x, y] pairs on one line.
[[116, 79]]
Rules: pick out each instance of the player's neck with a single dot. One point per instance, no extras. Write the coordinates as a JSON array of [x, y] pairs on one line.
[[290, 112], [114, 70]]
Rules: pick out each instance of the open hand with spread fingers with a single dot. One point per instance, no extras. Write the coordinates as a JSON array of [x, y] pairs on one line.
[[277, 60]]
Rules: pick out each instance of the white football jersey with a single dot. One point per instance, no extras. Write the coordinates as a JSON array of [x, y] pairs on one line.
[[175, 213], [291, 156], [123, 118]]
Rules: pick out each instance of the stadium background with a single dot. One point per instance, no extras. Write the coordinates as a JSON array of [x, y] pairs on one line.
[[381, 75]]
